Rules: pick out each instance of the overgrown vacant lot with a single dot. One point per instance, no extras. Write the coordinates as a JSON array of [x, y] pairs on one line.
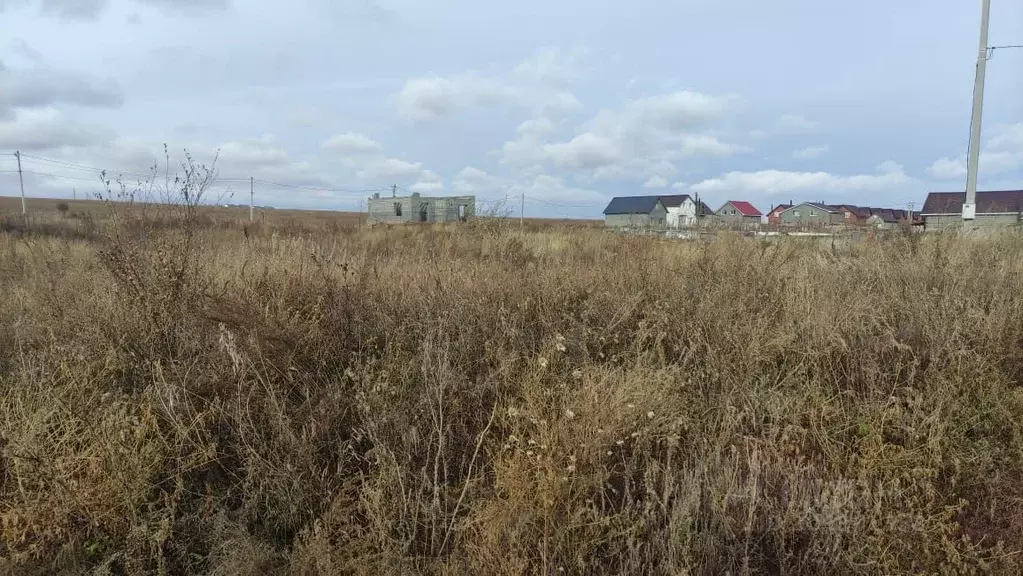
[[183, 398]]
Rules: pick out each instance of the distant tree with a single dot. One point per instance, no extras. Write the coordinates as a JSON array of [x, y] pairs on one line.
[[63, 208]]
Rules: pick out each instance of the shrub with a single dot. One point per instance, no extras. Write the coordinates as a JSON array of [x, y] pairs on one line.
[[179, 397]]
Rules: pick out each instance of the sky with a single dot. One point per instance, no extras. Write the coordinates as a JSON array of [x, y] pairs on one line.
[[550, 106]]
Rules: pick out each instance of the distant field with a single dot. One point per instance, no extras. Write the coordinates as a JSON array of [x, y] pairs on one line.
[[185, 394], [47, 207]]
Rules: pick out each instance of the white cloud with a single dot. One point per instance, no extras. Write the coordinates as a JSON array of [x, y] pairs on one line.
[[1002, 154], [188, 6], [351, 144], [42, 87], [535, 84], [948, 168], [547, 188], [429, 182], [92, 9], [262, 151], [811, 152], [536, 126], [471, 180], [1007, 137], [73, 9], [586, 151], [641, 140], [682, 110], [656, 182], [431, 97], [47, 129], [769, 182], [390, 170], [707, 145], [679, 185]]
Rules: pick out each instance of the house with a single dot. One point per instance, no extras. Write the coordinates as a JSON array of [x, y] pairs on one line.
[[681, 210], [887, 218], [738, 212], [811, 214], [636, 212], [773, 215], [703, 210], [416, 208], [996, 208], [854, 214]]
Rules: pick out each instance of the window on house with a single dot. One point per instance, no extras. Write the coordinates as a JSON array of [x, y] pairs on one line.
[[397, 208], [461, 212], [795, 213], [424, 212], [812, 213]]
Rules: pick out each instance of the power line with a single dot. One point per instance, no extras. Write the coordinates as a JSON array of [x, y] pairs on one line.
[[93, 180], [557, 205], [323, 188]]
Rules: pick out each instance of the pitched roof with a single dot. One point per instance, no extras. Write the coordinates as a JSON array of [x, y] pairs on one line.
[[823, 207], [704, 210], [744, 208], [780, 208], [987, 202], [632, 204], [675, 200]]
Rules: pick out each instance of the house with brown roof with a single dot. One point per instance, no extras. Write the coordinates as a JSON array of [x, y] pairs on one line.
[[854, 214], [738, 212], [887, 218], [773, 217], [995, 208]]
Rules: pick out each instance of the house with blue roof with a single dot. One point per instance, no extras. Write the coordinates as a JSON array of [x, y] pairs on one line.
[[636, 212]]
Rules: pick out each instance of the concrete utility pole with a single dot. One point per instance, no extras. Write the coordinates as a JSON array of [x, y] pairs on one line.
[[394, 190], [21, 181], [970, 206], [251, 186]]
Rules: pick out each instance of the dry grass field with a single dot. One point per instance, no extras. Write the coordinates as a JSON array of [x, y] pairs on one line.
[[47, 210], [182, 393]]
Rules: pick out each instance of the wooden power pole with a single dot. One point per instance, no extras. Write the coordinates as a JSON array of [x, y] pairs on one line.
[[21, 181]]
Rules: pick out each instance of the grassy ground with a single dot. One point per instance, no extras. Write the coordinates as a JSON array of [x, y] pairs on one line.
[[185, 396], [50, 210]]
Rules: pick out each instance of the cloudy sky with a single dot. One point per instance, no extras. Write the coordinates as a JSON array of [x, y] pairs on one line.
[[565, 103]]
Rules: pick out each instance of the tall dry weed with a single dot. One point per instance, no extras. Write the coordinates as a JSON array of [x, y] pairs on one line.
[[181, 396]]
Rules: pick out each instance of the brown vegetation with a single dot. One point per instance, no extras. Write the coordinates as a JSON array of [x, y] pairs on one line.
[[184, 396]]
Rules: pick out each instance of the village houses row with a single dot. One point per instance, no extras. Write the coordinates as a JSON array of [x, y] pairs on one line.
[[940, 210]]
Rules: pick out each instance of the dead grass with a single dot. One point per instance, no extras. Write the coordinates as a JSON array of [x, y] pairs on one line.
[[185, 396]]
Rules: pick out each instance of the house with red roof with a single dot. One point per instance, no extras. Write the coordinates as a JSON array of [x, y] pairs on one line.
[[738, 212]]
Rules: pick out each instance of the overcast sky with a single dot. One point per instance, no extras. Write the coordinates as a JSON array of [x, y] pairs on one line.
[[567, 103]]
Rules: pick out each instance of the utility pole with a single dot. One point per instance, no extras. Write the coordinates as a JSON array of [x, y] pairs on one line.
[[970, 206], [21, 181], [394, 190], [251, 186]]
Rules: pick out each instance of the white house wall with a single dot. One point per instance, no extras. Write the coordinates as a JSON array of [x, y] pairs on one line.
[[683, 215]]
